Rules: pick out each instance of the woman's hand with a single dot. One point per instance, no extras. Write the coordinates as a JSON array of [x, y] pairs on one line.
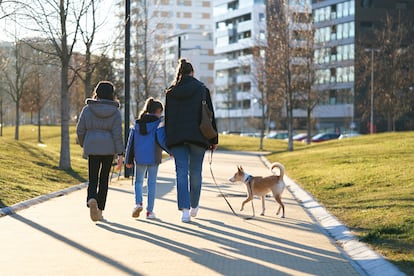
[[129, 166], [212, 147]]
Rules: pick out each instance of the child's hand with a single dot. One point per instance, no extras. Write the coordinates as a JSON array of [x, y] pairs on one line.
[[120, 161], [129, 166]]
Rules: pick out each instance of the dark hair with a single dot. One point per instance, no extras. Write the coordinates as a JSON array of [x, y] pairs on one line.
[[151, 106], [183, 68], [104, 90]]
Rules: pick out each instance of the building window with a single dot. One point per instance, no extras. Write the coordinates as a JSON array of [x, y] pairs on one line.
[[366, 3], [332, 96]]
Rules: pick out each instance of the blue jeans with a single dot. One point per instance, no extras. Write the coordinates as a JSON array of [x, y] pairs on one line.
[[188, 168], [151, 184]]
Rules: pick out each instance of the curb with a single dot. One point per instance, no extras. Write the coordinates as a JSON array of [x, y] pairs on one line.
[[30, 202], [365, 260], [9, 210]]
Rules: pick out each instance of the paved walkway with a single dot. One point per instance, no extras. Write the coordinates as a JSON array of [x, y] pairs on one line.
[[57, 236]]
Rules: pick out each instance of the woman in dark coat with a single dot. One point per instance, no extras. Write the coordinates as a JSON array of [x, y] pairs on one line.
[[183, 136]]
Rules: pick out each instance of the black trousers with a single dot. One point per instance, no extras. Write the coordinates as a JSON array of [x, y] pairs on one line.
[[99, 169]]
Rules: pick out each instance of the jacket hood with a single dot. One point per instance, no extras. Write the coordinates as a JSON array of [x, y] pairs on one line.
[[148, 123], [102, 108], [185, 89]]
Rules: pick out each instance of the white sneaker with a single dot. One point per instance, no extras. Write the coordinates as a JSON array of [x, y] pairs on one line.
[[186, 216], [137, 210], [151, 215], [194, 211]]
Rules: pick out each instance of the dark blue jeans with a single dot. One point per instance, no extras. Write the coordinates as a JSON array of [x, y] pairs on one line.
[[188, 167], [99, 169]]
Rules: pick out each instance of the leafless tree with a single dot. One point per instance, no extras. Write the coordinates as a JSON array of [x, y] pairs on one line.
[[147, 54], [89, 28], [278, 60], [392, 49], [59, 21], [15, 73]]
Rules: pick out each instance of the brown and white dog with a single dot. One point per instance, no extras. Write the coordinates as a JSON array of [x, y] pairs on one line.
[[260, 186]]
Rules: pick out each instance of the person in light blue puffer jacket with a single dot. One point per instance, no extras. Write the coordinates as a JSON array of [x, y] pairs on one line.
[[144, 148]]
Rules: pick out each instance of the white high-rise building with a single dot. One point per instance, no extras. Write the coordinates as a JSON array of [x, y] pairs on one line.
[[185, 29], [239, 26]]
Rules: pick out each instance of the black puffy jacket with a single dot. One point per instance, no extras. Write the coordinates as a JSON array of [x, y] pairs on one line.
[[183, 113]]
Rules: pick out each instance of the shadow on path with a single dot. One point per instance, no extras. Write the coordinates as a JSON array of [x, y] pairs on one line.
[[76, 245]]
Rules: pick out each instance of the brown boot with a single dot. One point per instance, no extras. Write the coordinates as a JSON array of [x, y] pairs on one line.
[[93, 209]]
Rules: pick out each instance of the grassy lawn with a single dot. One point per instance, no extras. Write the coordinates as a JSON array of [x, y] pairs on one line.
[[367, 182], [28, 169]]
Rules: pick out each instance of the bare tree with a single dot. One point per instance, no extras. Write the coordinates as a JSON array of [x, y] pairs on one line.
[[147, 54], [15, 73], [59, 21], [394, 74], [278, 60], [388, 56], [88, 30]]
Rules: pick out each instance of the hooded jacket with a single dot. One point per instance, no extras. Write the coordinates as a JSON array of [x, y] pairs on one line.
[[183, 113], [99, 129], [146, 141]]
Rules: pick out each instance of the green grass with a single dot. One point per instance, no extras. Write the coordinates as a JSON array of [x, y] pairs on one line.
[[367, 182], [28, 169]]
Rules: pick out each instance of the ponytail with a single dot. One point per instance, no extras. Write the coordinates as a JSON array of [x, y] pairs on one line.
[[150, 107], [184, 68]]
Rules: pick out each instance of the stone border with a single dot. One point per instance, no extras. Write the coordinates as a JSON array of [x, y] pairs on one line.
[[365, 260], [33, 201]]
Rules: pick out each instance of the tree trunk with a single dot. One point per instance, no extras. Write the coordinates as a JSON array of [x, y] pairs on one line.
[[39, 138], [88, 74], [64, 162], [1, 116], [308, 125], [16, 131]]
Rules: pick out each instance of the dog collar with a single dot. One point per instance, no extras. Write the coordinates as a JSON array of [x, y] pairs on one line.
[[248, 178]]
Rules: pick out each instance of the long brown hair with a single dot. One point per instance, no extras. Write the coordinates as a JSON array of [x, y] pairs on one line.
[[183, 68]]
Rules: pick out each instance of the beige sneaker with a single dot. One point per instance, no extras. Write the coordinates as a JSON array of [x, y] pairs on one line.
[[137, 210], [93, 209], [100, 216], [194, 211]]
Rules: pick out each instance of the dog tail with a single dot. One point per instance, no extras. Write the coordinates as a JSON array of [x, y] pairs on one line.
[[280, 167]]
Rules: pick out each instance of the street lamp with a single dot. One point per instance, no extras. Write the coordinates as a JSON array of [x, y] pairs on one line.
[[184, 49]]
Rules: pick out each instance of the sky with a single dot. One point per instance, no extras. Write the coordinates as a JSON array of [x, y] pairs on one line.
[[107, 31]]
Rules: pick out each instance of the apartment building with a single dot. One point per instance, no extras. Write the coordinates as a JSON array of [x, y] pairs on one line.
[[238, 27], [185, 29], [344, 33]]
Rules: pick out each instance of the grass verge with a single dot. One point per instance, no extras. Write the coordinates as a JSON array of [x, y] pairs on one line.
[[367, 182], [29, 169]]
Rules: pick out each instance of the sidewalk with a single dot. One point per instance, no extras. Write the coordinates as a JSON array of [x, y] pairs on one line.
[[58, 237]]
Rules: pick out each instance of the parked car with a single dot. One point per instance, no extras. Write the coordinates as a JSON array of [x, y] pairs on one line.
[[300, 137], [325, 137], [349, 135], [278, 135]]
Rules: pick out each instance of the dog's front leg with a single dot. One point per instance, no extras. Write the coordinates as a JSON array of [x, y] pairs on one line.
[[263, 206], [245, 201]]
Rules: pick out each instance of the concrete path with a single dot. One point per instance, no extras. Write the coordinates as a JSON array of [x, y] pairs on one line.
[[57, 237]]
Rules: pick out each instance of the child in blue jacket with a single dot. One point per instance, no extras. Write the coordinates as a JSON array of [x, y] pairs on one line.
[[145, 144]]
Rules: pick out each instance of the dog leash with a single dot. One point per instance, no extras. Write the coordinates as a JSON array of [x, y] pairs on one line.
[[210, 161]]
